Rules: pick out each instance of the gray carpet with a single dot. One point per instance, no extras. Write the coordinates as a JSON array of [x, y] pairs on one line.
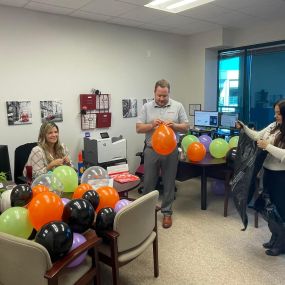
[[203, 247]]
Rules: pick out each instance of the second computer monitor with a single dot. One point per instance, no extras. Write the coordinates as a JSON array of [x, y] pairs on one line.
[[228, 120], [206, 119]]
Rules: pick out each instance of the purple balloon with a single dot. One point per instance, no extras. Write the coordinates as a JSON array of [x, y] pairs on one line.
[[78, 239], [65, 201], [206, 141], [218, 187], [121, 204]]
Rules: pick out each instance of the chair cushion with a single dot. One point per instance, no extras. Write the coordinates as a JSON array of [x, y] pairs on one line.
[[128, 254]]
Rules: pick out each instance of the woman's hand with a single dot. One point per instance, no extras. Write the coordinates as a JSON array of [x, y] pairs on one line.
[[55, 163], [262, 144], [66, 160]]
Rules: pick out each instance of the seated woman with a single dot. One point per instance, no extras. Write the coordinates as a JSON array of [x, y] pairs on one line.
[[49, 153]]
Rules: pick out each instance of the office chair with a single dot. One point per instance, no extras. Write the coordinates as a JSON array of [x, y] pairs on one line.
[[5, 162], [22, 153], [134, 230], [26, 262]]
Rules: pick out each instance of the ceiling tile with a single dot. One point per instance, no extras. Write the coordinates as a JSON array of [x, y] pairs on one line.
[[266, 11], [136, 2], [239, 4], [90, 16], [173, 20], [15, 3], [108, 7], [237, 20], [205, 12], [144, 14], [48, 8], [125, 22], [75, 4]]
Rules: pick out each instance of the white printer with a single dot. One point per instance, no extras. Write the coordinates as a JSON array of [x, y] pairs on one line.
[[106, 151]]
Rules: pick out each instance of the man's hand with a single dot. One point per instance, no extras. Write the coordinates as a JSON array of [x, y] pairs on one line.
[[155, 123], [262, 144], [169, 124]]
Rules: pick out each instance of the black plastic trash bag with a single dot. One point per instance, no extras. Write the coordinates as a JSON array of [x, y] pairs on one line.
[[248, 162]]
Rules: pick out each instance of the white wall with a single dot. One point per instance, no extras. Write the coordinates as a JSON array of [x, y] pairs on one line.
[[50, 57]]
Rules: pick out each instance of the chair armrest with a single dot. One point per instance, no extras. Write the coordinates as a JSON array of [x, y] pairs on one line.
[[91, 241], [111, 235]]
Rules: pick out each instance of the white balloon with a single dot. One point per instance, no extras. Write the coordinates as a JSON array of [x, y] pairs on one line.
[[96, 176], [51, 181], [5, 201]]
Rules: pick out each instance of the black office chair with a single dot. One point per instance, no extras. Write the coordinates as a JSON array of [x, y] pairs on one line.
[[5, 162], [22, 153]]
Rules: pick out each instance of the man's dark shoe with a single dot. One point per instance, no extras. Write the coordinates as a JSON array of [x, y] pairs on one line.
[[274, 251], [271, 243], [167, 222]]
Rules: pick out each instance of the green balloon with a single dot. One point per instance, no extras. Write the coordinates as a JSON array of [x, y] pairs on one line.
[[15, 221], [187, 140], [68, 177], [218, 148], [233, 141]]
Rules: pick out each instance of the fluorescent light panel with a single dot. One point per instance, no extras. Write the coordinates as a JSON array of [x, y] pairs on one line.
[[176, 6]]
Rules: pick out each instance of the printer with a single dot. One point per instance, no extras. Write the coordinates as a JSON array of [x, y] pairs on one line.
[[105, 151]]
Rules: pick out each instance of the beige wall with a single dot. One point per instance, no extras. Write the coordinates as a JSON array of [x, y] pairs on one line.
[[51, 57]]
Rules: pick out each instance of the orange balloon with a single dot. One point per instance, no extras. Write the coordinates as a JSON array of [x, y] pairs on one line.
[[39, 189], [108, 197], [45, 207], [196, 151], [81, 189], [163, 140]]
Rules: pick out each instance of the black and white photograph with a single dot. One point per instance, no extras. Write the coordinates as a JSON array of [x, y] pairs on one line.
[[147, 100], [51, 111], [130, 108], [19, 112], [193, 108]]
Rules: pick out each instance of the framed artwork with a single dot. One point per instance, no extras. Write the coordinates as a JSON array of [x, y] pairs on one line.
[[130, 108], [193, 108], [19, 112], [51, 111]]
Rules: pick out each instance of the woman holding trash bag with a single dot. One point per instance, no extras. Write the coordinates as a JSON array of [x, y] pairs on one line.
[[272, 140]]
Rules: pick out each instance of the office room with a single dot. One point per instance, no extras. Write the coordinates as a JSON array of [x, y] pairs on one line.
[[53, 51]]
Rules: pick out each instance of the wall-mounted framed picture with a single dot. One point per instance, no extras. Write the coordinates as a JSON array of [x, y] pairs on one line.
[[193, 108]]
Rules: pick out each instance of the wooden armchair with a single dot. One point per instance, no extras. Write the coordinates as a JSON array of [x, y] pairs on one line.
[[135, 228], [26, 262]]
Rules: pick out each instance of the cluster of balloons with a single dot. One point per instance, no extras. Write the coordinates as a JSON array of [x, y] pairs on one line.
[[196, 148], [60, 222]]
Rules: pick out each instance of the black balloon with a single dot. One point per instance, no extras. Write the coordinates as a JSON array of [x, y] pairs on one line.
[[104, 220], [79, 215], [231, 157], [56, 237], [21, 195], [93, 197]]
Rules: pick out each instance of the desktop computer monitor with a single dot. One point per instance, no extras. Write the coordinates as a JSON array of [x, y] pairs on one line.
[[208, 119], [228, 120]]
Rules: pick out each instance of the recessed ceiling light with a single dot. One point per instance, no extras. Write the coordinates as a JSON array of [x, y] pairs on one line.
[[176, 6]]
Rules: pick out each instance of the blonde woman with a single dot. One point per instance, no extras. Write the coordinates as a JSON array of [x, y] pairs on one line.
[[49, 153]]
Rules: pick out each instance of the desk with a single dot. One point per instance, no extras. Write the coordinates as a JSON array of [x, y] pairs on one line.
[[208, 167]]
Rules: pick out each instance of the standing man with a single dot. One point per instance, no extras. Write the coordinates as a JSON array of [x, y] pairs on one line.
[[172, 114]]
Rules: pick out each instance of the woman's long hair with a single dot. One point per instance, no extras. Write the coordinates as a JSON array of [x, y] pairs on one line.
[[280, 138], [58, 149]]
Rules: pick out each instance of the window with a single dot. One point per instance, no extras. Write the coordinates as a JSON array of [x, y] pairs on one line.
[[250, 80]]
